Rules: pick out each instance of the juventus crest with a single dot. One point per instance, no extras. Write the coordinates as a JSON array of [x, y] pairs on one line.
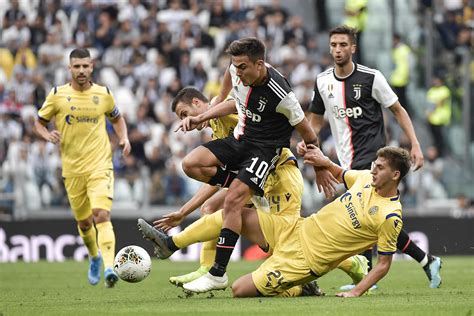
[[261, 104], [357, 91]]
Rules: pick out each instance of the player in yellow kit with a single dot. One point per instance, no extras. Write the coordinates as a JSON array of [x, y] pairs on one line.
[[305, 249], [79, 109], [281, 191]]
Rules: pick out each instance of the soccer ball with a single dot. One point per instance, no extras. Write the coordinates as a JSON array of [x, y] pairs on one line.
[[132, 264]]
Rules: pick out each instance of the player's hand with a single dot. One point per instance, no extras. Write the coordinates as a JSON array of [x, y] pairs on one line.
[[169, 221], [188, 124], [346, 294], [301, 148], [314, 156], [325, 182], [126, 147], [54, 137], [417, 157]]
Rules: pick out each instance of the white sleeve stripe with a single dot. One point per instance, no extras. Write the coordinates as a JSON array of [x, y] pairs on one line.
[[277, 86], [366, 71], [359, 66], [277, 92]]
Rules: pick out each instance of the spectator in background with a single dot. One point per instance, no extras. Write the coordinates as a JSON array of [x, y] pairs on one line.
[[438, 112], [356, 17], [400, 76], [14, 13], [175, 186], [463, 207]]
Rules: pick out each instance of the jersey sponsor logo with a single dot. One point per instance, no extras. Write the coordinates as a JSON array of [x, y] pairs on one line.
[[253, 116], [71, 119], [221, 241], [350, 208], [288, 196], [341, 113], [261, 104], [396, 222], [373, 210], [357, 91]]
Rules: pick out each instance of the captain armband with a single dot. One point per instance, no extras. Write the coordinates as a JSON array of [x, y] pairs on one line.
[[114, 113]]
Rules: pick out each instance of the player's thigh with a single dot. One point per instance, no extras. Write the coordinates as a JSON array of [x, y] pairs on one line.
[[258, 163], [251, 228], [278, 230], [227, 151], [214, 203], [284, 190], [280, 273], [76, 188], [100, 189], [201, 156]]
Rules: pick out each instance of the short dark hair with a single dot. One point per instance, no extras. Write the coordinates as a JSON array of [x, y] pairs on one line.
[[186, 96], [398, 159], [248, 46], [79, 53], [347, 30]]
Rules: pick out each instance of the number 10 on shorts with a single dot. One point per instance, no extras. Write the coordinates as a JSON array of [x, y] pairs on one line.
[[261, 169]]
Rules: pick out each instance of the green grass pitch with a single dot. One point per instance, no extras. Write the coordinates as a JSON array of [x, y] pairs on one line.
[[62, 289]]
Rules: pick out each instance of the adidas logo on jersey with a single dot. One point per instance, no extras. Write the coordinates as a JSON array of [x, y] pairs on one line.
[[342, 113], [254, 180]]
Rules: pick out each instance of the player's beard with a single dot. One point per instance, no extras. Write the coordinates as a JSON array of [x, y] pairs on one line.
[[81, 80]]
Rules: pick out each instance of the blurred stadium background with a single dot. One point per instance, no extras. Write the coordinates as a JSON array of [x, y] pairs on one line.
[[145, 51]]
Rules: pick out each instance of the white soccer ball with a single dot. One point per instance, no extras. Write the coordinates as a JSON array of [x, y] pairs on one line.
[[132, 264]]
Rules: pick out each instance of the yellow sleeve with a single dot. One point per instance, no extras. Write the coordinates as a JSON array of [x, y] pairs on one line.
[[112, 110], [350, 177], [48, 109], [388, 234]]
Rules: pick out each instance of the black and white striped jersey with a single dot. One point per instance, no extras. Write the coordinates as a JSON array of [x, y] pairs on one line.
[[267, 113], [353, 106]]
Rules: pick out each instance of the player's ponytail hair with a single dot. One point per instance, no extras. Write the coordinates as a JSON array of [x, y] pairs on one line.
[[248, 46], [398, 159]]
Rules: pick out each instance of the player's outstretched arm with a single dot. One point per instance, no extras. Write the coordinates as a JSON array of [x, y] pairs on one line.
[[173, 219], [315, 157], [120, 129], [317, 122], [42, 131], [375, 275], [406, 124], [225, 88], [192, 122]]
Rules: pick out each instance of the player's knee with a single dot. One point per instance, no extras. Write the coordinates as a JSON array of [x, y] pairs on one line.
[[189, 167], [207, 209], [238, 290], [85, 225], [101, 216]]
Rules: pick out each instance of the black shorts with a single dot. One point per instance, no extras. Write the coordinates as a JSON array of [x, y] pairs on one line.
[[253, 162]]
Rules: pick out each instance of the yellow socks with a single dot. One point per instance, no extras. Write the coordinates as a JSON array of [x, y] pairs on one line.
[[204, 229], [106, 238], [90, 240], [346, 265], [208, 253]]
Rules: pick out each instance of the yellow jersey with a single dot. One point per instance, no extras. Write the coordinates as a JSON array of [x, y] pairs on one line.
[[80, 119], [351, 224], [223, 126]]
